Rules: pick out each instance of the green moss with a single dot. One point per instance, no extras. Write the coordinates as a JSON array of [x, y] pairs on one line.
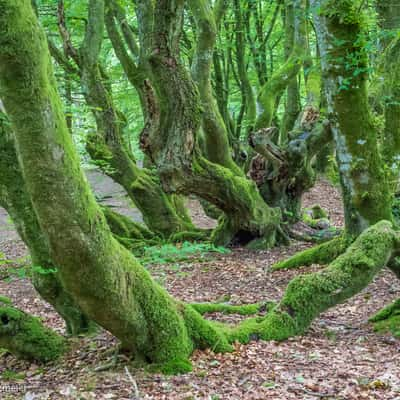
[[388, 319], [27, 338], [365, 188], [391, 325], [322, 254], [347, 12], [315, 217], [246, 309], [246, 331], [111, 286], [5, 300], [205, 334], [14, 197], [191, 236], [126, 231], [173, 367]]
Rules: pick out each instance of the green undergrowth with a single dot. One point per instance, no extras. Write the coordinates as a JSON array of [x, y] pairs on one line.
[[170, 253], [21, 269]]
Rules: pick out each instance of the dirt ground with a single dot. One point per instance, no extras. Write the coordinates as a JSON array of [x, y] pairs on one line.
[[340, 357]]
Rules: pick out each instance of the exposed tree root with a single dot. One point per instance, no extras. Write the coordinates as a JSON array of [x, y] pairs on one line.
[[322, 254], [246, 309], [388, 319], [308, 295], [26, 337], [304, 232], [191, 236]]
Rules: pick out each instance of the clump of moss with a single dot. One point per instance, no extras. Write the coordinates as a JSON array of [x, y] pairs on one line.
[[173, 367]]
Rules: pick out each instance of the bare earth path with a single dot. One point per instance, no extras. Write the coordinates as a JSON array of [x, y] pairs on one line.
[[339, 358]]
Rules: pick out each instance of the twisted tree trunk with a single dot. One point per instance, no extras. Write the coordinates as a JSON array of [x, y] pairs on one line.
[[106, 280], [344, 59], [106, 145], [181, 168]]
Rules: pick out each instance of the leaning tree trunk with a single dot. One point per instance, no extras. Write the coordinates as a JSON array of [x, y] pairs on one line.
[[217, 148], [292, 106], [108, 283], [283, 167], [389, 23], [15, 199], [272, 91]]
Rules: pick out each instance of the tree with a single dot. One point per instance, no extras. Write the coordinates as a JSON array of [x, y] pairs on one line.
[[106, 145], [107, 282]]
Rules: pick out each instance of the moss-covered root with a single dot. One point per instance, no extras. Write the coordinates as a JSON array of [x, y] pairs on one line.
[[26, 337], [388, 319], [322, 254], [205, 334], [245, 309], [309, 295], [394, 266]]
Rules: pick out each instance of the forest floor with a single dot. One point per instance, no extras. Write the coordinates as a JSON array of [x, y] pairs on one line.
[[340, 357]]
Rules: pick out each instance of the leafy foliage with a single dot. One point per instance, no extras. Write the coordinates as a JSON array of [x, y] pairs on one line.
[[168, 253]]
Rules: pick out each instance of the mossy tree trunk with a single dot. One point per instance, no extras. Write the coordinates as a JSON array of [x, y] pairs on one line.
[[106, 145], [181, 168], [15, 199], [106, 280], [108, 283], [292, 107], [340, 31], [272, 91], [283, 168], [248, 97], [366, 195], [284, 173], [217, 147]]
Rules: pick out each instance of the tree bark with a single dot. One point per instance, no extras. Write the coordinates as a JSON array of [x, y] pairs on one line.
[[106, 145], [15, 199]]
